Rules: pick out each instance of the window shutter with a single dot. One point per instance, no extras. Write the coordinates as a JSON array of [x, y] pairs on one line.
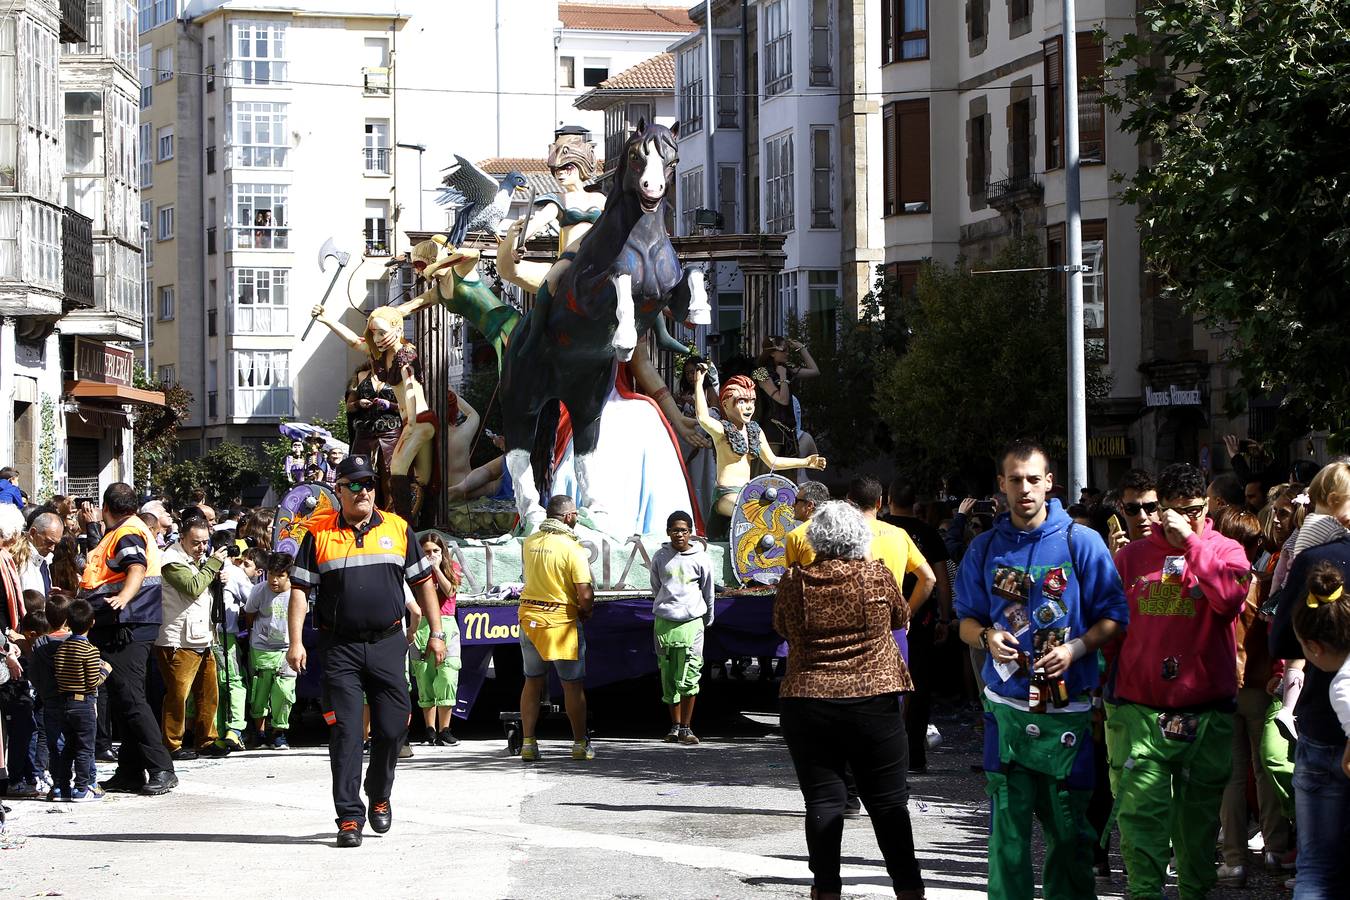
[[914, 175], [889, 161], [1054, 101], [887, 29]]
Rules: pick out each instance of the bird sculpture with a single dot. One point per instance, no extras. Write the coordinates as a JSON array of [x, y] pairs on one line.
[[480, 200]]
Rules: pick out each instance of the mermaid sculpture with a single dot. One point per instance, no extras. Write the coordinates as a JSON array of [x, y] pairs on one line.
[[394, 361], [456, 285]]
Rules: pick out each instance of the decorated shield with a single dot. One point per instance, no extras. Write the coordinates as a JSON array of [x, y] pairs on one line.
[[759, 526], [294, 511]]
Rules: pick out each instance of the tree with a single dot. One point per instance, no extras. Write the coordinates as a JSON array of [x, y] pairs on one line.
[[223, 473], [985, 364], [839, 408], [154, 429], [1245, 209]]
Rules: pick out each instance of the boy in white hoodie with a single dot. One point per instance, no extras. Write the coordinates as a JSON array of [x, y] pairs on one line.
[[682, 582]]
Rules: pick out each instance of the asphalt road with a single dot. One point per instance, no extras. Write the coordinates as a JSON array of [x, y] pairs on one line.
[[644, 819]]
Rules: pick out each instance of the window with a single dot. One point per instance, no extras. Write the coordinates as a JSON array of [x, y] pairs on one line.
[[1091, 111], [211, 226], [211, 312], [823, 305], [259, 52], [145, 158], [164, 143], [375, 72], [377, 147], [1018, 9], [211, 146], [567, 72], [262, 383], [691, 90], [377, 295], [164, 232], [904, 276], [1095, 299], [36, 228], [977, 20], [212, 382], [9, 240], [377, 228], [978, 155], [42, 98], [168, 375], [258, 301], [258, 134], [822, 178], [728, 101], [1019, 140], [165, 304], [906, 158], [594, 71], [822, 67], [84, 169], [787, 301], [210, 71], [154, 13], [163, 64], [727, 196], [691, 198], [904, 30], [260, 217], [145, 62], [777, 48], [778, 195]]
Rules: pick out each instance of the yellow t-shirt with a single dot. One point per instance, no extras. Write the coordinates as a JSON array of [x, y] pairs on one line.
[[554, 565], [891, 545]]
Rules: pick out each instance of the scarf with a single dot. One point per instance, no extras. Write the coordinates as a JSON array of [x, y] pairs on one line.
[[557, 526]]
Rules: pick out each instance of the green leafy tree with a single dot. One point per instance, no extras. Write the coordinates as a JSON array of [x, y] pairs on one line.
[[223, 473], [985, 363], [1245, 205], [839, 408], [155, 428]]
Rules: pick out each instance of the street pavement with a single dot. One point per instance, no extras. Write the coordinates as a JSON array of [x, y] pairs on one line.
[[644, 819]]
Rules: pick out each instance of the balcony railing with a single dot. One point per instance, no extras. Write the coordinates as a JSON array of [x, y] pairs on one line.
[[73, 22], [261, 237], [1014, 191], [77, 260], [377, 160]]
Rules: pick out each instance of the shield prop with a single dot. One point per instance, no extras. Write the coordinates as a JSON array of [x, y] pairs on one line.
[[294, 511], [759, 526]]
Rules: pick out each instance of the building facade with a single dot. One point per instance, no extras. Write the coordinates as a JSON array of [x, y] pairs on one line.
[[70, 244]]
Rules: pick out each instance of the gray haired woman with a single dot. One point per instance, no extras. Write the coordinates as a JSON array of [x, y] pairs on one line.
[[839, 701]]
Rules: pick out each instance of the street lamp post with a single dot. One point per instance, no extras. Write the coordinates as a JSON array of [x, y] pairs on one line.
[[1073, 231]]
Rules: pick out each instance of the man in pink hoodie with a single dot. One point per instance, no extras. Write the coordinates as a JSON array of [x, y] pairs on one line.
[[1174, 688]]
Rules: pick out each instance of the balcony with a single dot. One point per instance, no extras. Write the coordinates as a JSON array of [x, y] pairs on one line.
[[260, 237], [261, 402], [377, 160], [73, 22], [376, 81], [261, 318], [77, 260], [1018, 192]]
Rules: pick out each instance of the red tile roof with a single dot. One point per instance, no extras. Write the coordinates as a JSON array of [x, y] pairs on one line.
[[605, 17], [655, 74]]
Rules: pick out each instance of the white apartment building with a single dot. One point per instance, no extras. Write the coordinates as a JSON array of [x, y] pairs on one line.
[[973, 153], [789, 149], [69, 244]]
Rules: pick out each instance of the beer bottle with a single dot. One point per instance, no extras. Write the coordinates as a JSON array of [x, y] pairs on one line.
[[1036, 695], [1059, 691]]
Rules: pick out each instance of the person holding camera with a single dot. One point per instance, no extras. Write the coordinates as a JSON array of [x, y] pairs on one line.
[[183, 649]]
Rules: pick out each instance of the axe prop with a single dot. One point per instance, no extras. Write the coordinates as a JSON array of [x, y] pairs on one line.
[[328, 249]]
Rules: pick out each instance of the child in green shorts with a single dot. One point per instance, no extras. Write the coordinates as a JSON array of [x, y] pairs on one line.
[[682, 582], [271, 694], [438, 686]]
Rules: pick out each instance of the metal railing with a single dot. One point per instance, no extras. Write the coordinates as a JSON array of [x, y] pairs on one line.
[[377, 160], [77, 259], [1007, 189]]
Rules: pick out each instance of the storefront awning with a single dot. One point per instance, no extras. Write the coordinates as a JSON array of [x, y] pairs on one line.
[[103, 417], [85, 389]]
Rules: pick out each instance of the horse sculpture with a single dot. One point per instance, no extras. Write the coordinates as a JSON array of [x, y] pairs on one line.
[[589, 315]]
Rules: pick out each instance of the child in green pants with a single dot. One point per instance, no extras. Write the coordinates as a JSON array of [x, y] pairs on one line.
[[682, 582], [438, 686], [272, 692], [238, 577]]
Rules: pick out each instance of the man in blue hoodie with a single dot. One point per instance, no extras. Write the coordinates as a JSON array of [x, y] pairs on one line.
[[1041, 595]]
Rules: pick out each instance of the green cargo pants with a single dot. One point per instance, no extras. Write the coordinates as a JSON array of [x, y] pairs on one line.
[[1168, 792], [230, 683]]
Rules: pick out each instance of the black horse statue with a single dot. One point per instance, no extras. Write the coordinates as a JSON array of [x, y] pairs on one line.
[[588, 316]]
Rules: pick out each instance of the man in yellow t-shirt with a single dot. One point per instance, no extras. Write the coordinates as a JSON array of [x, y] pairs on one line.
[[557, 598], [796, 548]]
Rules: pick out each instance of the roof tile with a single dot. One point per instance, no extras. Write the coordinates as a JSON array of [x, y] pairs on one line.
[[606, 17]]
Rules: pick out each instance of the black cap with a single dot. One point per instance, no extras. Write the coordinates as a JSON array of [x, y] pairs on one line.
[[355, 466]]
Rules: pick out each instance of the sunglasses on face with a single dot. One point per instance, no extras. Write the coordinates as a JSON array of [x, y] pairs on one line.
[[1133, 509], [1190, 512], [357, 487]]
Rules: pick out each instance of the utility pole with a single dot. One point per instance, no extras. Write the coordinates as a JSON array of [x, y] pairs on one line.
[[1073, 233]]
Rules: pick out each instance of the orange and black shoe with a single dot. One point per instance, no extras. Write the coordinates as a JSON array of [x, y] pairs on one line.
[[381, 816], [349, 833]]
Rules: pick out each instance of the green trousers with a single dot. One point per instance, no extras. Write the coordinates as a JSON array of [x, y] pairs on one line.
[[1168, 793], [1037, 774], [230, 683], [270, 693]]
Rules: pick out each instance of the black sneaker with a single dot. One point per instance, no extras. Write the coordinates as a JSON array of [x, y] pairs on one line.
[[253, 739], [159, 783], [122, 784], [349, 833], [381, 816], [105, 755], [428, 736], [184, 754], [446, 739], [214, 750]]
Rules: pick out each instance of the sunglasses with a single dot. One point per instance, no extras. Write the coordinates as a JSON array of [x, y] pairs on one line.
[[1190, 512], [357, 487], [1133, 508]]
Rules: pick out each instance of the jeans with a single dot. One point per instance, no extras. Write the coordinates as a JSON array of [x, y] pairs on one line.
[[73, 724], [867, 735], [20, 739], [142, 748], [1322, 804]]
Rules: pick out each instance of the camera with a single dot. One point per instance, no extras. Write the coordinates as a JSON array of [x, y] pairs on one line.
[[983, 507]]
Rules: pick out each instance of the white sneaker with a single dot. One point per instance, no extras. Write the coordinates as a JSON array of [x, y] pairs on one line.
[[1232, 876], [933, 737]]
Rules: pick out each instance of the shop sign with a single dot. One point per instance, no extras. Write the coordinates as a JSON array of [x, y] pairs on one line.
[[96, 361], [1109, 445], [1173, 395]]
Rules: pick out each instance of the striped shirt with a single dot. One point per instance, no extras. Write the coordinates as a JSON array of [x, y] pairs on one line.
[[78, 666]]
